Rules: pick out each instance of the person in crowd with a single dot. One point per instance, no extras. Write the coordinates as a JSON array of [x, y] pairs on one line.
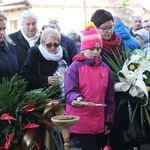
[[123, 32], [86, 69], [112, 45], [27, 36], [136, 24], [146, 25], [65, 42], [42, 63], [8, 56], [143, 38], [43, 28], [75, 37]]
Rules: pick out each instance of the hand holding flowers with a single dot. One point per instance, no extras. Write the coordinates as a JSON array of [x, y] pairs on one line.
[[133, 79]]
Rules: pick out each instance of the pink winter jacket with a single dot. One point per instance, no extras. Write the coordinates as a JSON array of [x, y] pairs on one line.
[[93, 80]]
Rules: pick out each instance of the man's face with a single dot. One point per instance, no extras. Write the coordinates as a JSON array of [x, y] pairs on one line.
[[146, 25], [29, 26], [136, 23]]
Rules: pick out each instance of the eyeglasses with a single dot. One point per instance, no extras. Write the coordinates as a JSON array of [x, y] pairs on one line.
[[49, 45], [106, 29]]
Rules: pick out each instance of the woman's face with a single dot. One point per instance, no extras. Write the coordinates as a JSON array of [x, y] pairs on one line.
[[106, 30], [2, 29], [51, 45]]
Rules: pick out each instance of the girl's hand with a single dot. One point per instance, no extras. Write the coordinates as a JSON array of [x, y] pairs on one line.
[[77, 100]]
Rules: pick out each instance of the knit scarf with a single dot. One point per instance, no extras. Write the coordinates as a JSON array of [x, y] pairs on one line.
[[49, 56], [32, 40], [112, 45]]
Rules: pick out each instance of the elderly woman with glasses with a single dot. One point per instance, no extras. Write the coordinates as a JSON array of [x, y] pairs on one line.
[[41, 66], [112, 44], [42, 61]]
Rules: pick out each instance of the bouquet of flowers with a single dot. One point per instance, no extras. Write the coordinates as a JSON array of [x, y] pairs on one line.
[[23, 113], [132, 77]]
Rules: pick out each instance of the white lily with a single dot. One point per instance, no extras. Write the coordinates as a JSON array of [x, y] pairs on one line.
[[133, 80]]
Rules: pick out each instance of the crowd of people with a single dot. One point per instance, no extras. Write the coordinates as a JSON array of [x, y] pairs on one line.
[[36, 55]]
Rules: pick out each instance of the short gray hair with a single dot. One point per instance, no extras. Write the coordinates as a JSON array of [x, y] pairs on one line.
[[53, 22], [28, 14]]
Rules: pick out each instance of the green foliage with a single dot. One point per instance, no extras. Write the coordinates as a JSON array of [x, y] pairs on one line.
[[117, 63], [10, 92], [140, 105], [14, 99]]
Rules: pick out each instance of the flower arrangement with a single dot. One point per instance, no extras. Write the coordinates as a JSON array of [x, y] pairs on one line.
[[132, 77], [23, 113]]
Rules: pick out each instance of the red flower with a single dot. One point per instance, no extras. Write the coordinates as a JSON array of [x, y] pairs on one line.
[[49, 123], [7, 144], [30, 126], [5, 116], [107, 148], [29, 108]]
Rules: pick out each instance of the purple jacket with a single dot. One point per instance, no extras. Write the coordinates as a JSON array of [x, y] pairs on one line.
[[93, 80]]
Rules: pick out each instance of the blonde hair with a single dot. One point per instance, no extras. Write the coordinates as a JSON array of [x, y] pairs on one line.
[[49, 32], [6, 37]]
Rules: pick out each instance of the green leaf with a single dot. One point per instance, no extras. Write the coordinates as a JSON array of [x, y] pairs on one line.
[[142, 114], [134, 111], [147, 115]]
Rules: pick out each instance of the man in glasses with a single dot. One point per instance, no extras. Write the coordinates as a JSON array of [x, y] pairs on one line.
[[146, 25], [27, 36], [136, 24], [65, 42]]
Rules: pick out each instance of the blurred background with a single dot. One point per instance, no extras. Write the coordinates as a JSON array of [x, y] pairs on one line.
[[72, 14]]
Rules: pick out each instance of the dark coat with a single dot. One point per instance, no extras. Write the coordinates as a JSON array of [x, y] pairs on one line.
[[22, 46], [121, 121], [36, 68], [8, 61], [70, 46]]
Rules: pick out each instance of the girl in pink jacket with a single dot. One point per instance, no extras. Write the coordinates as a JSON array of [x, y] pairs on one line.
[[88, 79]]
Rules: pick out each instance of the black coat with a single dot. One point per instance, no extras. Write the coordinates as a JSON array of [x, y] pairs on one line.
[[36, 68], [70, 46], [8, 61], [121, 121], [22, 46]]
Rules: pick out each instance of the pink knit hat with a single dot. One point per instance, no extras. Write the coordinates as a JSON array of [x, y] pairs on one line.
[[91, 37]]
